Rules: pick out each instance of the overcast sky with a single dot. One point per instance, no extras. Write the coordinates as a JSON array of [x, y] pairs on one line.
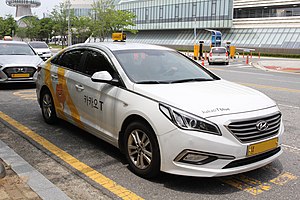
[[46, 6]]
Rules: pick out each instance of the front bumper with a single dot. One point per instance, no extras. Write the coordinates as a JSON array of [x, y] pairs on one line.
[[226, 154]]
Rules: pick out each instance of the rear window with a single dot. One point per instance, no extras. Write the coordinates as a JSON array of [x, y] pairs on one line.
[[15, 49], [38, 45], [218, 50]]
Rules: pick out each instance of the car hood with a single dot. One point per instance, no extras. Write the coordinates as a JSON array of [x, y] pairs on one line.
[[207, 99], [19, 60]]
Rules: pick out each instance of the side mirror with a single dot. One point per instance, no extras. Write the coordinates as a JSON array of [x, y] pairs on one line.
[[104, 77]]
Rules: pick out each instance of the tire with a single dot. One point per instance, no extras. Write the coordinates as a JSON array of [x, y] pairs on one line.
[[48, 107], [144, 160]]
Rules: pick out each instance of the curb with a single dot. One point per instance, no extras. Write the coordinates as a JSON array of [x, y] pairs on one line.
[[256, 65], [2, 171], [36, 181]]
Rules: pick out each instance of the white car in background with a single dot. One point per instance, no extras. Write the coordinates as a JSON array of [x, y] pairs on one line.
[[218, 55], [42, 49], [18, 62], [162, 110]]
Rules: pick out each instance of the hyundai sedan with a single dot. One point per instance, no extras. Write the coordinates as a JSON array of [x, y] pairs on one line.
[[164, 111]]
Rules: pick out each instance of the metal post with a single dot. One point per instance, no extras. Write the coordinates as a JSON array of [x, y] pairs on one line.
[[69, 24]]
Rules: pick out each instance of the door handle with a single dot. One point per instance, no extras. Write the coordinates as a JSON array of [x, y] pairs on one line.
[[54, 77], [79, 87]]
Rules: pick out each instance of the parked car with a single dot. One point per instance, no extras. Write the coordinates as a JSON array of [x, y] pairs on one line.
[[161, 109], [42, 49], [18, 62], [218, 55]]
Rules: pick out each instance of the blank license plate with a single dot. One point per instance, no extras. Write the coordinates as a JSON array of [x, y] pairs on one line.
[[20, 75], [262, 147]]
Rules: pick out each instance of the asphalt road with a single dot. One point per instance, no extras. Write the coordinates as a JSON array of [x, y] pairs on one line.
[[278, 180]]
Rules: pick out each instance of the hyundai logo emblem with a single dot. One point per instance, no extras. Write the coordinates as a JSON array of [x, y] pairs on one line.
[[262, 125], [20, 70]]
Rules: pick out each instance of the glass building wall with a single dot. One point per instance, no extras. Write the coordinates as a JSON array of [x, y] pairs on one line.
[[266, 12], [180, 14]]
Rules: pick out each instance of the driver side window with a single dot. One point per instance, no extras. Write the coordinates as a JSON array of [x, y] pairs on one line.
[[96, 62]]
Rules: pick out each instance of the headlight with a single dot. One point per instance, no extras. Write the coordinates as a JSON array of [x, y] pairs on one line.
[[188, 121]]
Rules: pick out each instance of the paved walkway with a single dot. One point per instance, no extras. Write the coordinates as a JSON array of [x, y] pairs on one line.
[[278, 64], [22, 181]]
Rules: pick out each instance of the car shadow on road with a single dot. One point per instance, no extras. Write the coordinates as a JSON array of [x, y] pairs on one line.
[[252, 182], [16, 86]]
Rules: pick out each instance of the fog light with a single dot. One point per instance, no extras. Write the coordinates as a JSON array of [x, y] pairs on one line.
[[194, 157], [199, 158], [191, 157]]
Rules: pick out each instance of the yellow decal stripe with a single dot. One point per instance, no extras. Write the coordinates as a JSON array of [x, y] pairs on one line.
[[74, 112], [72, 161], [48, 82]]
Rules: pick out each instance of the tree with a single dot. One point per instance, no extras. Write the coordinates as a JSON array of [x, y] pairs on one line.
[[81, 28], [46, 29], [59, 15], [8, 25], [108, 20], [32, 27]]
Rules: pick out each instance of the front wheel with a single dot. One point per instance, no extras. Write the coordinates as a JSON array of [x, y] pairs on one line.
[[48, 108], [142, 150]]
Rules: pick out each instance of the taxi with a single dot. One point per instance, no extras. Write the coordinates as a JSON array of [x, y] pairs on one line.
[[164, 111]]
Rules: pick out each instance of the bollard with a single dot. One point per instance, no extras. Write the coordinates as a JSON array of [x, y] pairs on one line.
[[206, 56], [258, 55], [247, 60], [2, 171], [243, 54], [251, 54]]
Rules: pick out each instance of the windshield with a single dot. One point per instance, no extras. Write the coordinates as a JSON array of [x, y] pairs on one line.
[[160, 66], [38, 45], [218, 50], [15, 49]]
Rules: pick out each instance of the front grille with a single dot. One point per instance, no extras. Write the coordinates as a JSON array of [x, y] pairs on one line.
[[248, 161], [247, 131], [19, 70]]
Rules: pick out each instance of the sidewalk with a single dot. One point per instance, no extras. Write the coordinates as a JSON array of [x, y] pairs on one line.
[[22, 181], [282, 65]]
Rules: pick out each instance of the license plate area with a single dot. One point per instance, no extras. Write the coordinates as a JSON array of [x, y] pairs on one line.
[[20, 75], [262, 147]]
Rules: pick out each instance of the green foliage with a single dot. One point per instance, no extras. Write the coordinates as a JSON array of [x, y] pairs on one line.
[[59, 16], [108, 20], [8, 26]]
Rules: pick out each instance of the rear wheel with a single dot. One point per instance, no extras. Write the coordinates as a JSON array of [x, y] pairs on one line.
[[142, 150], [48, 108]]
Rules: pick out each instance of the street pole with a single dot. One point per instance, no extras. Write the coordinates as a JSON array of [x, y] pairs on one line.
[[69, 24]]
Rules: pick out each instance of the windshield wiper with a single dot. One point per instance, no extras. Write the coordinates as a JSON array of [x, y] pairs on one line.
[[192, 80], [153, 82]]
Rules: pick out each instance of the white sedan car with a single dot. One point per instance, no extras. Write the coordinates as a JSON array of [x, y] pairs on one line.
[[162, 110], [18, 62]]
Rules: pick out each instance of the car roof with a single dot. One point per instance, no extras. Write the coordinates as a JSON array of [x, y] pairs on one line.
[[115, 46], [12, 42], [36, 42]]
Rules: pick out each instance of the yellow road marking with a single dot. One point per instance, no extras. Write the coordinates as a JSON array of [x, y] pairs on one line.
[[99, 178], [27, 94], [247, 184], [283, 178], [271, 87]]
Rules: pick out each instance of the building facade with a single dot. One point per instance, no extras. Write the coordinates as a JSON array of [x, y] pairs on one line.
[[264, 25]]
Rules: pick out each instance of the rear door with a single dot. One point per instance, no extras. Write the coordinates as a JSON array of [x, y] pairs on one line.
[[67, 74]]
